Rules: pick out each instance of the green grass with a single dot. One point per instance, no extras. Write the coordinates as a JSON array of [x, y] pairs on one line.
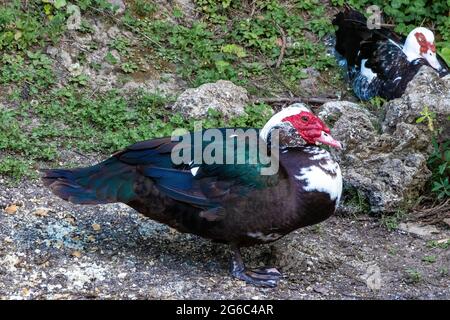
[[441, 245], [429, 259], [46, 118], [392, 221], [106, 123], [413, 276], [232, 40], [243, 48], [356, 200]]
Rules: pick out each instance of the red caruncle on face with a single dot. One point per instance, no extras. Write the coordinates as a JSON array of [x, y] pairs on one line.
[[424, 44], [308, 125]]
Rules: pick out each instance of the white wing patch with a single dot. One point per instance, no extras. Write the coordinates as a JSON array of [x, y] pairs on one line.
[[316, 178], [367, 72], [194, 170]]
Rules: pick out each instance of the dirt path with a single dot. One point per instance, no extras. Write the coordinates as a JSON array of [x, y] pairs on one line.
[[111, 252]]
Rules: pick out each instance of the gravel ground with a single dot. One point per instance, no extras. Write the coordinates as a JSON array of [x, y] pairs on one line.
[[51, 249]]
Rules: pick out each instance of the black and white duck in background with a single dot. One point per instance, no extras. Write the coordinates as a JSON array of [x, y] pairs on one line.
[[378, 61], [228, 203]]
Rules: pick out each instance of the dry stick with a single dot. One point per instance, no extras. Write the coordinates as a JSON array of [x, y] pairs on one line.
[[432, 215], [82, 154], [129, 26], [312, 100], [283, 46], [275, 75], [387, 25], [253, 8]]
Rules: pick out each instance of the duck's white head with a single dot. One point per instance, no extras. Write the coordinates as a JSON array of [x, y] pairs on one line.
[[307, 124], [420, 44]]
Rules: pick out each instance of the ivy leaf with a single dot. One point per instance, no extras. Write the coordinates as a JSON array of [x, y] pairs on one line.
[[48, 9], [17, 35], [442, 168], [445, 53], [235, 50], [421, 119], [60, 3]]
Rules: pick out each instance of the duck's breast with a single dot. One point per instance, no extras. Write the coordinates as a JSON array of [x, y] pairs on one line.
[[318, 180]]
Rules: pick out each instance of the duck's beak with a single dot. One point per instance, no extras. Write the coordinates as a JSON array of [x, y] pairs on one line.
[[433, 61], [326, 138]]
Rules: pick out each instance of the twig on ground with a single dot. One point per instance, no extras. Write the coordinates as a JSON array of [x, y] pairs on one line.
[[275, 75], [82, 154], [253, 8], [283, 47], [128, 26], [311, 100], [433, 214]]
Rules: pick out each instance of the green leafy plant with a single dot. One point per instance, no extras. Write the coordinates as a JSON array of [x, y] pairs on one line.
[[110, 58], [413, 275], [439, 244], [391, 221], [129, 67], [429, 259], [445, 53], [428, 116], [439, 163]]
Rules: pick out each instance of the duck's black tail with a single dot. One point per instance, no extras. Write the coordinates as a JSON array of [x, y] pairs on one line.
[[106, 182], [353, 35], [352, 30]]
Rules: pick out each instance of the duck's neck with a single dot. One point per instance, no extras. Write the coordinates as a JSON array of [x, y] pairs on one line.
[[410, 51]]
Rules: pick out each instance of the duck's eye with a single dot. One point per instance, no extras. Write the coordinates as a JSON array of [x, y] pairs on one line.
[[304, 118]]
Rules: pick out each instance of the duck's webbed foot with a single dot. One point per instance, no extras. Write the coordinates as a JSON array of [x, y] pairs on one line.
[[262, 277]]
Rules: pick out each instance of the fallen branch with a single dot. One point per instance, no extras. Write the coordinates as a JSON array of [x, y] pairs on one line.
[[275, 75], [283, 47], [310, 100], [128, 26], [434, 214]]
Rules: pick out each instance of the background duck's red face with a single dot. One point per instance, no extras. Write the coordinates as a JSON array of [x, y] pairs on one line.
[[424, 44], [312, 129], [426, 47]]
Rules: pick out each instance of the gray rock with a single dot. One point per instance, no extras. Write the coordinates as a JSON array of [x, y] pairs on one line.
[[167, 85], [119, 4], [425, 231], [447, 221], [389, 168], [67, 60], [223, 96], [425, 90], [100, 35], [187, 7], [386, 158], [74, 20], [311, 83]]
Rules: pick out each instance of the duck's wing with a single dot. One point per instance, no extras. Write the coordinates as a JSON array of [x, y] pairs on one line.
[[391, 66], [144, 167], [353, 34], [211, 178]]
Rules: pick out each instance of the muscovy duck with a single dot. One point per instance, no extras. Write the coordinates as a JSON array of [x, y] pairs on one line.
[[232, 203], [378, 61]]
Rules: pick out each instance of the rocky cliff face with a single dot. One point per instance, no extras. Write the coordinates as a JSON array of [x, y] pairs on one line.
[[386, 158]]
